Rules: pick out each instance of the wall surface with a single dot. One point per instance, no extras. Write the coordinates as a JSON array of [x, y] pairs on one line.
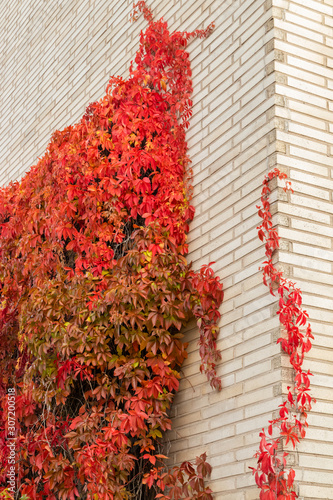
[[304, 126], [263, 88]]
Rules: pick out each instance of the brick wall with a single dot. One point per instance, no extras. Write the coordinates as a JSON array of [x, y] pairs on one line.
[[233, 133], [263, 84], [304, 76]]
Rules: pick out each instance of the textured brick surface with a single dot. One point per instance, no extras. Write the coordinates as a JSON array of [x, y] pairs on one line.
[[305, 38], [263, 84]]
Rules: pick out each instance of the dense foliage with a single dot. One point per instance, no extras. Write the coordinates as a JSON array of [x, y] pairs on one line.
[[274, 481], [95, 289]]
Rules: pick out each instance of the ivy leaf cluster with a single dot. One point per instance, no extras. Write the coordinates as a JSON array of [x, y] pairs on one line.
[[271, 475], [95, 289]]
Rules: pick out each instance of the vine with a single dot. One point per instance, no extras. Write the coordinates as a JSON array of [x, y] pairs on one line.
[[290, 425], [95, 289]]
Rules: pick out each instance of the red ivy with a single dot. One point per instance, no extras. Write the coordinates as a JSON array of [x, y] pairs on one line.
[[95, 289], [274, 481]]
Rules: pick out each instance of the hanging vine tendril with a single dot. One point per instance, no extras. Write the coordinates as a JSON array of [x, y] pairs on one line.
[[274, 481]]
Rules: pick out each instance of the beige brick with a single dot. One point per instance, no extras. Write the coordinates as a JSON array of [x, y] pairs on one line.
[[223, 485], [320, 492], [315, 6], [300, 51], [314, 276], [301, 187], [310, 45], [317, 314], [316, 79], [314, 24], [317, 462], [320, 302], [312, 203], [309, 131], [305, 11], [303, 260], [314, 157], [311, 68], [313, 228], [303, 30], [329, 21], [301, 140], [299, 94]]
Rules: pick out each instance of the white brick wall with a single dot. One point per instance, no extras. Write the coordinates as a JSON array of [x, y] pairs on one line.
[[263, 84], [233, 131], [304, 35]]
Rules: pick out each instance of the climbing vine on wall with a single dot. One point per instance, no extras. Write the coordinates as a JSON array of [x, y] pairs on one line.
[[95, 289], [274, 481]]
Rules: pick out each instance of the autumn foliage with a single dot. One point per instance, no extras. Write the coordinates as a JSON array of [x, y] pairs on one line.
[[95, 289], [274, 481]]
